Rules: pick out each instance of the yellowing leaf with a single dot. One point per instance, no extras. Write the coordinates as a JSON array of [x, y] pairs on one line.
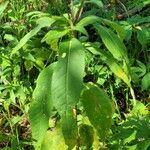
[[54, 140]]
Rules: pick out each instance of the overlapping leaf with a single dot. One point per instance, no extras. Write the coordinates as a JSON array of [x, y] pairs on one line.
[[67, 85], [53, 36], [41, 22], [98, 108], [116, 68], [112, 42], [42, 105]]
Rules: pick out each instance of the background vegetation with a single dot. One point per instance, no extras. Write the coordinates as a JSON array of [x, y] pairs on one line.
[[74, 74]]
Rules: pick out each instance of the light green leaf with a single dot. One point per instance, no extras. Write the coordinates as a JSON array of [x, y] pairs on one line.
[[118, 70], [67, 83], [112, 42], [122, 33], [3, 6], [41, 23], [139, 109], [41, 107], [98, 108], [54, 140], [45, 21], [88, 20], [81, 29], [53, 35]]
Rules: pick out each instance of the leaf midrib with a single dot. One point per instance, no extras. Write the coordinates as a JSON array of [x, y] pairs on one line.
[[67, 76]]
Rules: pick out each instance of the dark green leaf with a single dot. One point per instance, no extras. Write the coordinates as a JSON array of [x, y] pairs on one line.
[[98, 108]]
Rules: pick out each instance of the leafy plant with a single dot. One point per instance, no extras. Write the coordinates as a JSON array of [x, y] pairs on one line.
[[80, 54], [65, 83]]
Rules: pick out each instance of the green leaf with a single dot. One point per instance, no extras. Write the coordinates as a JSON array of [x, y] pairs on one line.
[[53, 35], [88, 20], [68, 75], [67, 83], [69, 128], [143, 36], [116, 67], [98, 108], [146, 82], [112, 42], [118, 70], [42, 22], [119, 29], [84, 22], [45, 21], [41, 107], [3, 7], [94, 19], [139, 109], [140, 70]]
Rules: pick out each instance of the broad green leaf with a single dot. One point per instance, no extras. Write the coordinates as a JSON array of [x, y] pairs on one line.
[[53, 35], [67, 83], [41, 106], [112, 42], [54, 140], [42, 22], [3, 6], [98, 108], [68, 75], [146, 82]]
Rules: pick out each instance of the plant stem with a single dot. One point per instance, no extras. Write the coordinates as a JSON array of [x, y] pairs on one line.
[[133, 96], [79, 12]]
